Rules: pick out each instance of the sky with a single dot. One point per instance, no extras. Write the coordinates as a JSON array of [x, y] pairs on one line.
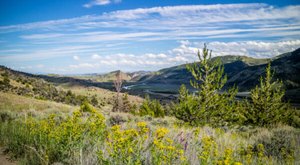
[[98, 36]]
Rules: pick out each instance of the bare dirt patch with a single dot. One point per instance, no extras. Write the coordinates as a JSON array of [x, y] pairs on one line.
[[4, 159]]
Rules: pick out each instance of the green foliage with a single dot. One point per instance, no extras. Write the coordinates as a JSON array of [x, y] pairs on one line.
[[209, 105], [267, 107], [152, 108], [5, 83], [126, 107], [186, 108], [6, 79], [50, 140], [83, 138], [208, 74], [86, 107]]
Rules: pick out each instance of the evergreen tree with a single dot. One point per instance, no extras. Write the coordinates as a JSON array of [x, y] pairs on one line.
[[186, 109], [267, 107], [209, 105], [152, 108], [209, 80], [145, 108]]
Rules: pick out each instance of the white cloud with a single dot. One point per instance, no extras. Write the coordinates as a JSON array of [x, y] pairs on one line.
[[82, 65], [175, 21], [100, 3], [96, 56], [41, 36], [256, 49], [76, 58], [187, 51]]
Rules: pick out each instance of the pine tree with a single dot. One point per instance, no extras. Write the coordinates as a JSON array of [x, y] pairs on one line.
[[267, 107], [186, 109], [209, 105], [145, 108]]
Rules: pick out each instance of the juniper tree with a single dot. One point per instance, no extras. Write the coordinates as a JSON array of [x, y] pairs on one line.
[[267, 106]]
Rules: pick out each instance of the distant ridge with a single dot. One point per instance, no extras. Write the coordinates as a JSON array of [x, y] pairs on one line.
[[243, 72]]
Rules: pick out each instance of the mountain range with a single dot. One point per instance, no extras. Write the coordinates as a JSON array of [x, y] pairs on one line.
[[242, 71]]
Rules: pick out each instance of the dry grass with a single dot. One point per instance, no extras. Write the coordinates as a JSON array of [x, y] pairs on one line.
[[16, 103], [102, 94]]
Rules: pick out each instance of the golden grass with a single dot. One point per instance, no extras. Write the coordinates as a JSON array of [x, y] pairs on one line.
[[102, 94], [16, 103]]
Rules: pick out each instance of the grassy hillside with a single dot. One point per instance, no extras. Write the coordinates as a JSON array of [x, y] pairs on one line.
[[108, 77], [13, 103], [29, 85]]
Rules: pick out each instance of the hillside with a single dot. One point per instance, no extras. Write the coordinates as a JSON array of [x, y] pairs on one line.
[[242, 71], [108, 77], [65, 90]]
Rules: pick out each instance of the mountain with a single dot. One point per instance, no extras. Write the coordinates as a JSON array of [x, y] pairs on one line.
[[111, 76], [107, 77], [178, 75], [242, 71]]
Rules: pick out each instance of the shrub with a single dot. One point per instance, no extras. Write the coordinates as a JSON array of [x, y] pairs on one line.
[[152, 108], [86, 107], [280, 142], [51, 139], [117, 119]]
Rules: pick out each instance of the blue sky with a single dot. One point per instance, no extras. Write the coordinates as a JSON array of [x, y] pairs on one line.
[[97, 36]]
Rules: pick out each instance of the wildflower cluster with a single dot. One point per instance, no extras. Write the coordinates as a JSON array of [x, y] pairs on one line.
[[164, 150], [208, 150], [125, 146], [53, 139]]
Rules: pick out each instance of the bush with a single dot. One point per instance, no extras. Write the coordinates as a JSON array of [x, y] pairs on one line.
[[280, 142], [86, 107], [53, 140], [152, 108], [117, 119]]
